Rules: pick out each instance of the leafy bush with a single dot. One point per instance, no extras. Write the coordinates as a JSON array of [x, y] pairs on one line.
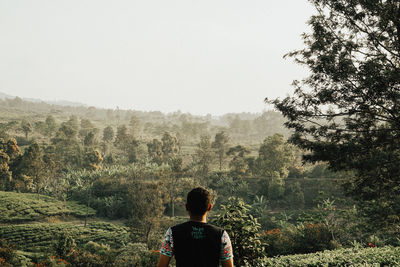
[[137, 254], [8, 255], [65, 245], [243, 230], [305, 238]]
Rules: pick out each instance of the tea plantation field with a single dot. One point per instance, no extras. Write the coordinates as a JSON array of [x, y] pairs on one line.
[[24, 207], [33, 225], [40, 236]]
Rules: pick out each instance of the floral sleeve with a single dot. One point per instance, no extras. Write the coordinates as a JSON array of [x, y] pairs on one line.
[[167, 248], [226, 247]]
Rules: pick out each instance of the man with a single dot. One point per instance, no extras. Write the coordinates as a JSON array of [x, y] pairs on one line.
[[196, 243]]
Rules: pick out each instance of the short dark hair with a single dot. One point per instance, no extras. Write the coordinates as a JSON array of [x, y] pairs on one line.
[[198, 201]]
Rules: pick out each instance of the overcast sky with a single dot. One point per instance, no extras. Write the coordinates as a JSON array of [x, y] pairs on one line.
[[203, 56]]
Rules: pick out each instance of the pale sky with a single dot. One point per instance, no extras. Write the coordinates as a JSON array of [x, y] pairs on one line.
[[203, 56]]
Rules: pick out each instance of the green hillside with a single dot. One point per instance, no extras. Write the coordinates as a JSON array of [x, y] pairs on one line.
[[39, 237], [17, 207]]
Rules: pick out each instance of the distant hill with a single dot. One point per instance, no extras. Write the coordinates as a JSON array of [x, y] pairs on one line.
[[35, 100], [5, 96]]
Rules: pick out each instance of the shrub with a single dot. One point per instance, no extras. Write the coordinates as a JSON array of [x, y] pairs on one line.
[[65, 245], [305, 238], [8, 255], [137, 254], [243, 230]]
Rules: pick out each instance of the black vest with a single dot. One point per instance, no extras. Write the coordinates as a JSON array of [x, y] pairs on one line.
[[197, 244]]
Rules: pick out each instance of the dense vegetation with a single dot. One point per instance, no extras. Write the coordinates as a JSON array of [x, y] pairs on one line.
[[70, 174]]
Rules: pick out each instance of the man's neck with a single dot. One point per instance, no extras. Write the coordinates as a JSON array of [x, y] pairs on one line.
[[202, 219]]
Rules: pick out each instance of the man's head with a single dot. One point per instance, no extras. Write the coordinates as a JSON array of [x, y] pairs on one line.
[[198, 201]]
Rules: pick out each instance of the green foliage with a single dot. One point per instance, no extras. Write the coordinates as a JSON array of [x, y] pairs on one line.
[[386, 256], [294, 195], [299, 239], [243, 230]]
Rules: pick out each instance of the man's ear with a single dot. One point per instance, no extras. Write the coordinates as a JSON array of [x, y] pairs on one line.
[[209, 207]]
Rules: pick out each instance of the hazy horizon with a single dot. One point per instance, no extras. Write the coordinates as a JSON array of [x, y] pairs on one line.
[[203, 57]]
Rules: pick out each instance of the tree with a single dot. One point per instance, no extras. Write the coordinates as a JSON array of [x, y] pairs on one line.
[[220, 144], [9, 152], [204, 156], [122, 137], [51, 125], [173, 182], [5, 127], [169, 147], [275, 156], [33, 166], [347, 112], [67, 147], [5, 173], [146, 204], [135, 126], [238, 163], [93, 160], [86, 128], [108, 134], [243, 229], [155, 151], [26, 127]]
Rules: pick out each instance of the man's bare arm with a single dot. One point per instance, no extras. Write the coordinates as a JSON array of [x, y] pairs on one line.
[[228, 263], [163, 261]]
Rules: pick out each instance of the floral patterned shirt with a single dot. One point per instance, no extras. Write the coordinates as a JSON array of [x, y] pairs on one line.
[[226, 253]]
